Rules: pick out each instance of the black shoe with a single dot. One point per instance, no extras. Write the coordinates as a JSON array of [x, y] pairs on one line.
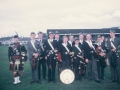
[[112, 81], [38, 82], [48, 81], [102, 78], [32, 82], [45, 78], [98, 81]]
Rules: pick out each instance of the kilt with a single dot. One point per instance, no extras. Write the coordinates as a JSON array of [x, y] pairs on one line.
[[17, 64]]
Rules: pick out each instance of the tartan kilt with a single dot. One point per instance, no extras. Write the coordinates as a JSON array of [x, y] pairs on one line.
[[16, 67]]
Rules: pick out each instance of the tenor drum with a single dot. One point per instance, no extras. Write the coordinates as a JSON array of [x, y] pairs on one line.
[[67, 76]]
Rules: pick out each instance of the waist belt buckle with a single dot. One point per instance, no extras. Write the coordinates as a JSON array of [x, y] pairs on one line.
[[66, 53]]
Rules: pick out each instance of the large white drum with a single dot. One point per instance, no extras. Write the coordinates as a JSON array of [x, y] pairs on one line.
[[67, 76]]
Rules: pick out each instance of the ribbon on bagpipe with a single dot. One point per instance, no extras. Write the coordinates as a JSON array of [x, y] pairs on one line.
[[100, 58]]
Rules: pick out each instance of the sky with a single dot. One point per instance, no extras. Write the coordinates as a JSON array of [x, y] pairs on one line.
[[25, 16]]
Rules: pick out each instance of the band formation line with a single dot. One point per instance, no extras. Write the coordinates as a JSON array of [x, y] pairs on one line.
[[81, 56]]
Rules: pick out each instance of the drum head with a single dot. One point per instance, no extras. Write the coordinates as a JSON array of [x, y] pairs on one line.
[[67, 76]]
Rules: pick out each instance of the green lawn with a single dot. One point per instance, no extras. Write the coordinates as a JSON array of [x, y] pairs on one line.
[[6, 79]]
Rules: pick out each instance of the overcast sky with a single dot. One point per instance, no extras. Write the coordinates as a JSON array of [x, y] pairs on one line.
[[25, 16]]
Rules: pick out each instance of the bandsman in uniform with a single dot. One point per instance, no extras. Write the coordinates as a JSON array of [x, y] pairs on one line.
[[17, 57], [81, 41], [34, 53], [78, 59], [72, 43], [66, 52], [51, 49], [42, 61], [59, 42], [90, 58], [114, 57], [101, 56]]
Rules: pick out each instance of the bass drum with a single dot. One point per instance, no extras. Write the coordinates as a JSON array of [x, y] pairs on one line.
[[67, 76]]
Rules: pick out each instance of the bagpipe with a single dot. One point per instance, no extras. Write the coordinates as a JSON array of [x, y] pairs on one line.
[[80, 56], [118, 52], [101, 55], [113, 59], [18, 56], [114, 56], [35, 58], [72, 59], [52, 53]]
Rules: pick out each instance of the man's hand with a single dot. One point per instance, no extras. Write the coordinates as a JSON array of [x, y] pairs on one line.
[[55, 50], [36, 55], [113, 49], [70, 53], [86, 60], [60, 60], [11, 62], [80, 56], [102, 54]]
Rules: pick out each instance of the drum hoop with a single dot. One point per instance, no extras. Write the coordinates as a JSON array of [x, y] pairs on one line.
[[67, 76]]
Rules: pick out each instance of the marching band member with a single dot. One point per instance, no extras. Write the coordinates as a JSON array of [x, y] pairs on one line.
[[59, 42], [101, 55], [42, 60], [17, 57], [78, 59], [51, 49], [71, 42], [65, 51], [114, 46], [34, 52], [90, 55], [83, 65]]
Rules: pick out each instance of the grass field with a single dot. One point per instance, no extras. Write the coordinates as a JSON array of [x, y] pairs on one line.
[[6, 79]]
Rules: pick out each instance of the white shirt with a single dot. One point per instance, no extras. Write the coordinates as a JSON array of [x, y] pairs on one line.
[[32, 42], [81, 41], [112, 39], [50, 40], [70, 42]]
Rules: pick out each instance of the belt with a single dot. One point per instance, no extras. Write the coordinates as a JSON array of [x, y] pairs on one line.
[[91, 52], [49, 50], [66, 53]]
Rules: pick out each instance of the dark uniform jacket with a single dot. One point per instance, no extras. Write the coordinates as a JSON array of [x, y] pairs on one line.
[[47, 47], [15, 49], [63, 51], [88, 51]]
